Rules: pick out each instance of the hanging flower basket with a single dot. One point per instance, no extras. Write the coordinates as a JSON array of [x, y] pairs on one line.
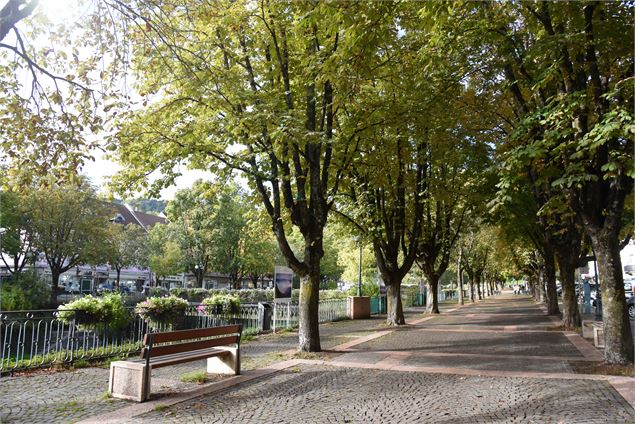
[[163, 310], [220, 304]]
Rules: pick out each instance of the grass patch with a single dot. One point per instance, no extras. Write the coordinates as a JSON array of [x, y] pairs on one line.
[[160, 408], [307, 355], [81, 363], [249, 335], [198, 377], [601, 368], [564, 328], [62, 358], [69, 407]]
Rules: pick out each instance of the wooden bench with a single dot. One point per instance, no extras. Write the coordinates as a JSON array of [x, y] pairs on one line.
[[219, 345]]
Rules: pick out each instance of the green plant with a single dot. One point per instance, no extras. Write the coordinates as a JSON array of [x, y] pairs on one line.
[[162, 310], [225, 304], [91, 312], [158, 291], [160, 407], [81, 363], [198, 377], [249, 335], [192, 295], [368, 289], [24, 291]]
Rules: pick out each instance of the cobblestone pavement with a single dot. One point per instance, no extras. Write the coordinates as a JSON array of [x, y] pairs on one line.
[[318, 394], [447, 368], [548, 343]]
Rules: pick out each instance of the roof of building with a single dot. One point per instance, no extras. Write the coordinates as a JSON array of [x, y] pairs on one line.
[[147, 220], [123, 214]]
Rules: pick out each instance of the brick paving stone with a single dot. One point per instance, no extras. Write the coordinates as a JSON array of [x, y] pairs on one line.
[[317, 394]]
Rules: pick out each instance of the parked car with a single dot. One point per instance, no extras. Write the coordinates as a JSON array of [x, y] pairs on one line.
[[105, 287], [630, 304]]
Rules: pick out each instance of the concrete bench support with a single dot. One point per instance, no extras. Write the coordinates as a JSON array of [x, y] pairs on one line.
[[129, 380], [598, 334], [228, 364]]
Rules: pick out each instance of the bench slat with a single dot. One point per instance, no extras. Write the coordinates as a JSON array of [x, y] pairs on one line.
[[168, 360], [173, 336], [186, 347]]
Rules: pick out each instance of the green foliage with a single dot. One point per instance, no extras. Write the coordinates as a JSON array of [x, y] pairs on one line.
[[151, 206], [225, 304], [165, 256], [91, 312], [162, 310], [126, 245], [198, 377], [191, 295], [24, 291], [158, 291], [69, 225], [17, 234], [368, 289]]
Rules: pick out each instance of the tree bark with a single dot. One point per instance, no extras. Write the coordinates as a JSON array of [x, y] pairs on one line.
[[534, 285], [308, 331], [55, 285], [461, 300], [551, 294], [395, 308], [618, 345], [433, 286], [118, 276], [478, 287], [472, 290], [570, 311], [459, 266]]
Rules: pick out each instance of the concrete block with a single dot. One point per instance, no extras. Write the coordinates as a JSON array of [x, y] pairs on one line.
[[225, 363], [129, 380]]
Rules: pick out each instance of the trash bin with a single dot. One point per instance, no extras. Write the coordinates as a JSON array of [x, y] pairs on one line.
[[266, 316]]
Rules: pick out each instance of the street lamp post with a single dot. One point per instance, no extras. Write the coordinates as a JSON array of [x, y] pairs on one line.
[[359, 270]]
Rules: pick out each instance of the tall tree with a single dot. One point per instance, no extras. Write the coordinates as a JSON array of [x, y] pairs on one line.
[[126, 246], [258, 87], [16, 236], [164, 254], [69, 227], [568, 68]]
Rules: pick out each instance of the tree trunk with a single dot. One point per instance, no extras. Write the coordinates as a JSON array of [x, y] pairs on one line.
[[618, 345], [459, 274], [55, 285], [199, 278], [309, 330], [118, 276], [570, 311], [472, 290], [550, 280], [395, 308], [433, 286], [478, 287], [461, 300], [534, 285]]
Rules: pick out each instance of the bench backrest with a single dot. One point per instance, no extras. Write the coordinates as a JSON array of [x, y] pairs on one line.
[[170, 342]]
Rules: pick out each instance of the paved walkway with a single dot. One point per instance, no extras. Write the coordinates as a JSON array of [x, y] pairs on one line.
[[498, 360]]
